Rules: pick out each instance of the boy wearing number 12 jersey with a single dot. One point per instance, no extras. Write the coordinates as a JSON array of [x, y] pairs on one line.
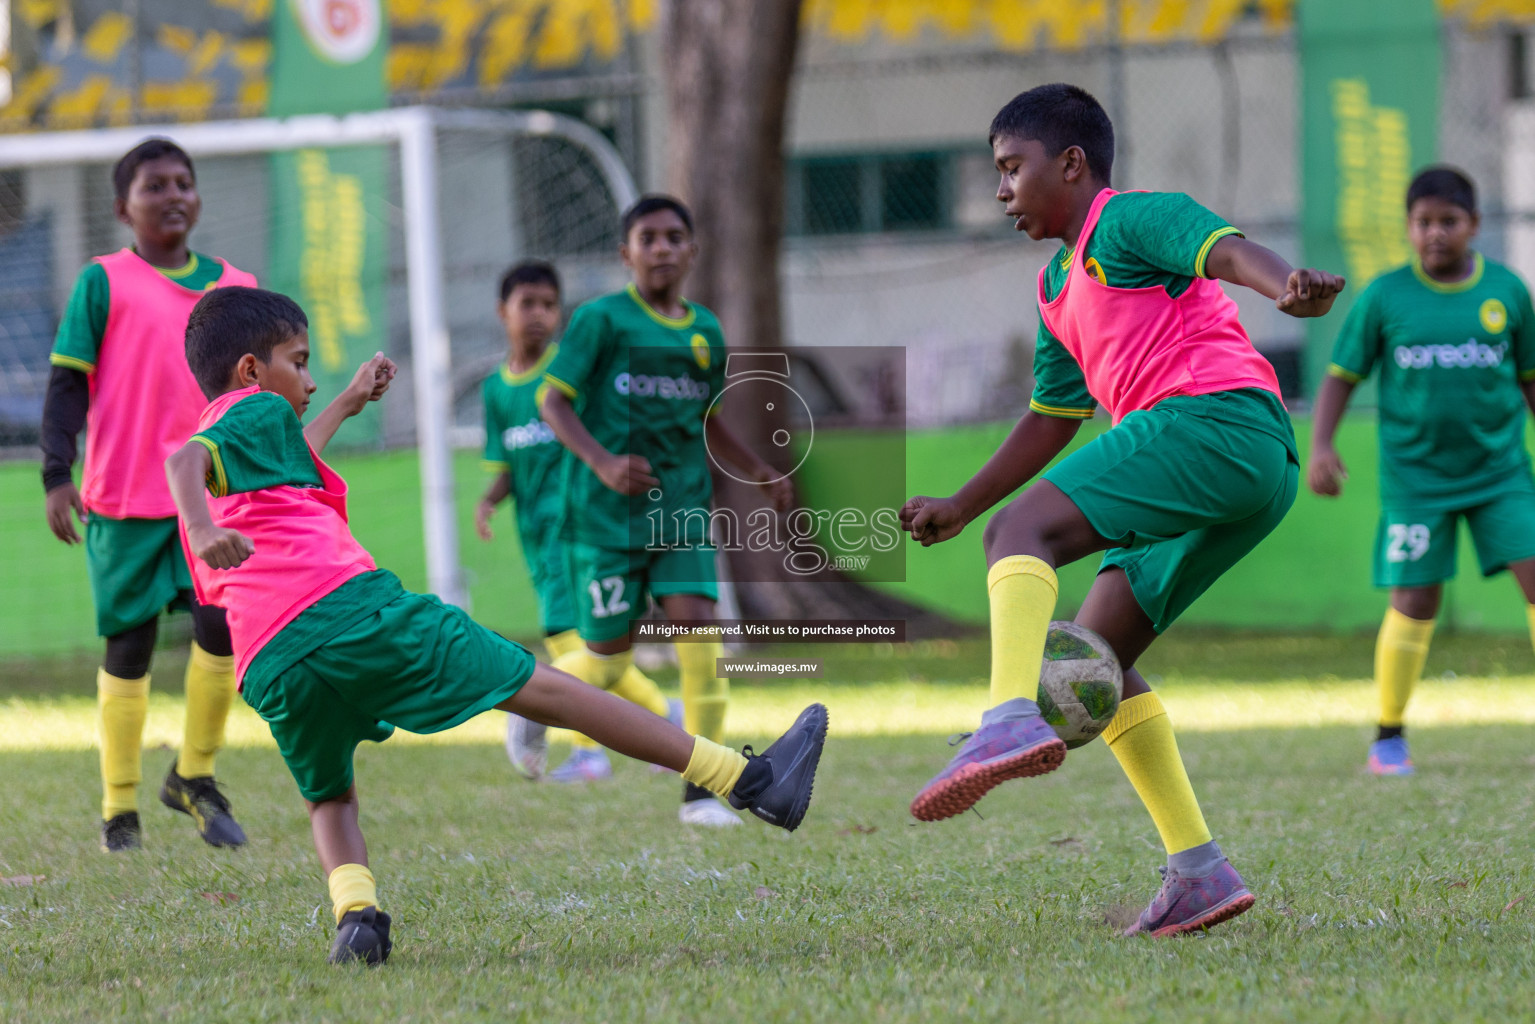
[[1453, 338], [528, 461], [632, 395]]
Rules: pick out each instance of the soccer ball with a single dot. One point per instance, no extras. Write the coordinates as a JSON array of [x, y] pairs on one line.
[[1079, 683]]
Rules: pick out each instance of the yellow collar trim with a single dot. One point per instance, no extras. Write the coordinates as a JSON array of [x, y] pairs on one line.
[[676, 323], [177, 273], [535, 372], [1470, 281]]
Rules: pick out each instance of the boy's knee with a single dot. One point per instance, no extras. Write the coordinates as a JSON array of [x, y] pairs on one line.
[[1012, 530]]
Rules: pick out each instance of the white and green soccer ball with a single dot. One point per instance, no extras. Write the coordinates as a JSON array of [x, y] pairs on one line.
[[1079, 683]]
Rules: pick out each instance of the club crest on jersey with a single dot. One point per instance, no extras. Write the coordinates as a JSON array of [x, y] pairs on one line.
[[700, 346], [1494, 316]]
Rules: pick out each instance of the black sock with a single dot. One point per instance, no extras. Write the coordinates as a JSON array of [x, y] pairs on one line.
[[755, 777], [1388, 732], [691, 792]]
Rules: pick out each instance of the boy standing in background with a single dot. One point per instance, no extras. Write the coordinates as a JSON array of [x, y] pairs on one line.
[[119, 369]]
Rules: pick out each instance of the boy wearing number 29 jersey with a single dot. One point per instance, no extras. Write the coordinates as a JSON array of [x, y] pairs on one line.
[[1452, 337]]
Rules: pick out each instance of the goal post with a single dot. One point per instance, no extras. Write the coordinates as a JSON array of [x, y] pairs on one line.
[[415, 135]]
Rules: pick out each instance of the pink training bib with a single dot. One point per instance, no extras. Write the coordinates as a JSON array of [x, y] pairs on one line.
[[1137, 346], [144, 399], [304, 550]]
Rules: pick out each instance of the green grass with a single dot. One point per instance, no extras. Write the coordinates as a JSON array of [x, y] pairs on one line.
[[1395, 900]]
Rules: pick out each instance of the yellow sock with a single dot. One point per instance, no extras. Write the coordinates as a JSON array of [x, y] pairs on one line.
[[1141, 737], [1400, 651], [705, 695], [600, 670], [210, 688], [561, 644], [1023, 591], [638, 688], [352, 888], [121, 706], [713, 766]]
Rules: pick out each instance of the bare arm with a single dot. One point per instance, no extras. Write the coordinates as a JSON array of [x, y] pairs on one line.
[[724, 443], [368, 385], [1301, 293], [498, 491], [186, 470], [1325, 471], [1028, 449], [626, 474]]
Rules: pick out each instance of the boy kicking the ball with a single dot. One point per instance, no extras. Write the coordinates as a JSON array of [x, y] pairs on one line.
[[331, 650], [1200, 465], [1453, 337]]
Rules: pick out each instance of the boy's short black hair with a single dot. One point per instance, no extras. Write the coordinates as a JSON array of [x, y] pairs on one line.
[[1060, 116], [229, 322], [149, 149], [1443, 182], [529, 272], [650, 204]]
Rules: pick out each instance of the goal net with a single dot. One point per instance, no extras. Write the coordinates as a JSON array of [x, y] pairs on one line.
[[464, 194]]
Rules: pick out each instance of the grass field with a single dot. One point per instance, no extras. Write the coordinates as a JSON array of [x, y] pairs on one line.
[[1394, 900]]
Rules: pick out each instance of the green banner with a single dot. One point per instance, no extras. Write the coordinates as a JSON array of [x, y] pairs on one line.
[[1369, 121], [329, 214]]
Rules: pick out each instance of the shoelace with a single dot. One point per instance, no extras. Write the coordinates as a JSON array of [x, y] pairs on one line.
[[207, 789], [959, 738]]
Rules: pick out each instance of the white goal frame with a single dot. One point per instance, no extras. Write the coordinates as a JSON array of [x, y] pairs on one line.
[[414, 130]]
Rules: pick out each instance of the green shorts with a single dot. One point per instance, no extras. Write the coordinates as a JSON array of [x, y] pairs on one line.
[[1184, 490], [415, 663], [611, 586], [1416, 547], [137, 569], [551, 585]]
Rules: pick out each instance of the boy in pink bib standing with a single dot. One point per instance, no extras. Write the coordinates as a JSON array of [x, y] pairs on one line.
[[120, 371], [1200, 465]]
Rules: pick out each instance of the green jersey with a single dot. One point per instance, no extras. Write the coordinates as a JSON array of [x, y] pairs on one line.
[[1451, 357], [85, 316], [520, 443], [642, 383], [1143, 240]]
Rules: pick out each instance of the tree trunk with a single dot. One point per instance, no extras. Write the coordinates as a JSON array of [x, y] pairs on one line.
[[728, 65]]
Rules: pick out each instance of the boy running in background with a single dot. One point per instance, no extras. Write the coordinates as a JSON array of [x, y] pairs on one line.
[[1454, 339], [526, 457], [1200, 465], [628, 394], [120, 370], [331, 650]]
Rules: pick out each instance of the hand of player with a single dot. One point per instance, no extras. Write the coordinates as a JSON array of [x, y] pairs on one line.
[[779, 490], [60, 500], [370, 382], [1309, 292], [482, 513], [931, 520], [1325, 472], [626, 474], [219, 547]]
